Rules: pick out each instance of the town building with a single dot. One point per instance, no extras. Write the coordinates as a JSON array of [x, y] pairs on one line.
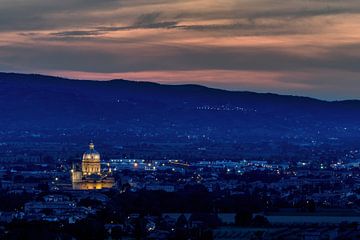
[[89, 175]]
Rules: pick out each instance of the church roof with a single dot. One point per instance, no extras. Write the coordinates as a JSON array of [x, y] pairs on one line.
[[91, 153]]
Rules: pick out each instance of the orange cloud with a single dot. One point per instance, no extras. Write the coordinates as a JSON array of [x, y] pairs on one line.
[[281, 46]]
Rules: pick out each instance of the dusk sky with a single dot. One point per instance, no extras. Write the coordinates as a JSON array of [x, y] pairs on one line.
[[301, 47]]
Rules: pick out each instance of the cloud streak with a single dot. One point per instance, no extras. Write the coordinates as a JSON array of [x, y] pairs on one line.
[[294, 44]]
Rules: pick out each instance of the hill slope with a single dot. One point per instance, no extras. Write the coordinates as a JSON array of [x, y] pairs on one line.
[[56, 106]]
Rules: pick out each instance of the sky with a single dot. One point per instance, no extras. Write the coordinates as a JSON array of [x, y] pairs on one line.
[[298, 47]]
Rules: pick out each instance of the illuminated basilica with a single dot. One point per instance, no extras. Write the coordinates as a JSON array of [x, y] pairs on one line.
[[89, 175]]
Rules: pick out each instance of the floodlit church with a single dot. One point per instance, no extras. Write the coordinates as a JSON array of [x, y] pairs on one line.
[[89, 175]]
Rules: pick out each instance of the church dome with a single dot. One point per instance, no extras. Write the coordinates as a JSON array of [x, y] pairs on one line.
[[91, 154]]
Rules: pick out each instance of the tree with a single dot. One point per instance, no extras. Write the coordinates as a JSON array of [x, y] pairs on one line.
[[243, 218], [260, 221]]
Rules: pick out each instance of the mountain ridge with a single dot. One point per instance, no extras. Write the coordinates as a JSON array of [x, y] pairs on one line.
[[38, 103], [51, 77]]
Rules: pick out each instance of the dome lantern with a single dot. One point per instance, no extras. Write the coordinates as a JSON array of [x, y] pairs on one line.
[[91, 146]]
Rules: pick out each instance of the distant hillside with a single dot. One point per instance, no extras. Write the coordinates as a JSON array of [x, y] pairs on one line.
[[49, 105]]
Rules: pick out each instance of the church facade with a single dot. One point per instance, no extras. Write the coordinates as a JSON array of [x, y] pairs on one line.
[[89, 175]]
